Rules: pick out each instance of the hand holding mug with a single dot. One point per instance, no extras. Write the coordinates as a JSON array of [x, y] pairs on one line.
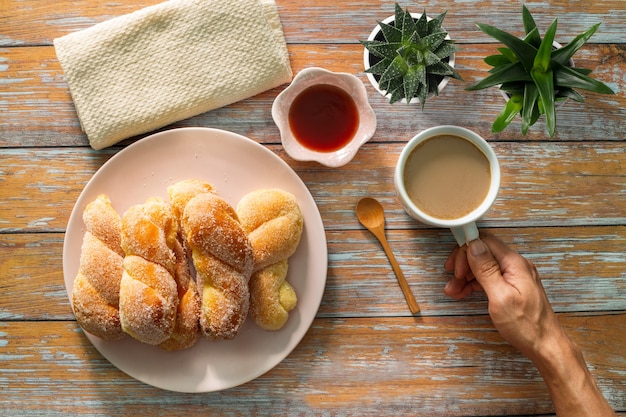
[[521, 312]]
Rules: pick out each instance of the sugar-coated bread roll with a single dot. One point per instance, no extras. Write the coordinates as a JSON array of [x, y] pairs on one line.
[[181, 192], [148, 290], [150, 230], [273, 220], [271, 297], [95, 295], [148, 301], [223, 260], [186, 328]]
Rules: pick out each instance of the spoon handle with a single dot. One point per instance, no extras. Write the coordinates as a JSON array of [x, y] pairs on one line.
[[408, 295]]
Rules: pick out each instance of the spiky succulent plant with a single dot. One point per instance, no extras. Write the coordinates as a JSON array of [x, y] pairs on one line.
[[535, 75], [412, 56]]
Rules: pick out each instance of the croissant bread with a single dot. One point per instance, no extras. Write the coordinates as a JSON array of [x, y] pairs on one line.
[[95, 295], [148, 290], [274, 222], [223, 260]]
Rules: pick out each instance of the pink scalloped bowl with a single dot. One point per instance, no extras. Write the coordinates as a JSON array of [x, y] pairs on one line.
[[314, 76]]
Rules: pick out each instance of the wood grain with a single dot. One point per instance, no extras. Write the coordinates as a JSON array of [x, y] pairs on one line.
[[562, 204], [37, 110], [582, 271], [565, 184], [415, 366], [36, 22]]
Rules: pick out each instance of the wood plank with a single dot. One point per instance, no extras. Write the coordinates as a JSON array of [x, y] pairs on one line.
[[562, 205], [543, 183], [36, 109], [39, 22], [583, 270], [367, 367], [32, 279]]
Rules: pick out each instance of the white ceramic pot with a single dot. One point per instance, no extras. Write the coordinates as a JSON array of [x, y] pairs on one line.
[[366, 59]]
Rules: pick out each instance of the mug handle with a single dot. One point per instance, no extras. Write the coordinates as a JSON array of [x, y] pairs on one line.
[[465, 234]]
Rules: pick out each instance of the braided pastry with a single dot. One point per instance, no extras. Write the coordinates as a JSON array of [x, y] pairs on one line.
[[95, 295], [223, 260], [274, 222], [186, 330], [271, 297], [148, 290], [183, 191]]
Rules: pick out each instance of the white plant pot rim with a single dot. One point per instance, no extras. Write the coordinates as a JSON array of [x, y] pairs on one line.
[[366, 59]]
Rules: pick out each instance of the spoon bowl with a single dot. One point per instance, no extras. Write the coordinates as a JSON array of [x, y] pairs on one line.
[[371, 214]]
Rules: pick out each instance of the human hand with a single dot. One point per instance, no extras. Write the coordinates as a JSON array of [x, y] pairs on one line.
[[521, 312], [518, 305]]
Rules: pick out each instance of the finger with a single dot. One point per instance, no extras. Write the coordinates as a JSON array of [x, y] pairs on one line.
[[511, 263], [476, 286], [485, 266], [450, 262], [455, 285], [498, 248], [458, 264], [461, 288], [463, 292], [461, 265]]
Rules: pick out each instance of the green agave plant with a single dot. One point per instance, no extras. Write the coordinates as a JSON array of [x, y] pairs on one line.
[[535, 75], [413, 57]]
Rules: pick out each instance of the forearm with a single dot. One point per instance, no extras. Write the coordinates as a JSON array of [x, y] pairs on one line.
[[572, 387]]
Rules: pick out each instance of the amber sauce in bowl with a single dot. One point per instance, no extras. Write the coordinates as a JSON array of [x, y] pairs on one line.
[[324, 116]]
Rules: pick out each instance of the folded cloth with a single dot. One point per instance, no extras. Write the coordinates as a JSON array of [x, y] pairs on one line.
[[164, 63]]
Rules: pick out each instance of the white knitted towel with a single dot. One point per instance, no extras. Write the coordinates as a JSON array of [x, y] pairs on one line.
[[142, 71]]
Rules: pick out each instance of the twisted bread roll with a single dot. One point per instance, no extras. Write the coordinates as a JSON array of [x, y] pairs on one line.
[[223, 260], [271, 297], [95, 295], [148, 291], [183, 191], [148, 301], [186, 330], [274, 222]]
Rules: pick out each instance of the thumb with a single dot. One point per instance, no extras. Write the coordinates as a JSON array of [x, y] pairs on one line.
[[485, 267]]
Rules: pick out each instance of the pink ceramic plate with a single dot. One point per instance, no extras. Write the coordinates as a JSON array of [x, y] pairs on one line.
[[235, 165]]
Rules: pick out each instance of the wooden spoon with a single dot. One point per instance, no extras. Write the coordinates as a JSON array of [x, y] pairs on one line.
[[372, 215]]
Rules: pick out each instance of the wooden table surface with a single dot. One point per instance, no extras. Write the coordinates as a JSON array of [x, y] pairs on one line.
[[562, 204]]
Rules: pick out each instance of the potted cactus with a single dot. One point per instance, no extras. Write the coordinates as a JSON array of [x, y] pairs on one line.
[[535, 74], [409, 55]]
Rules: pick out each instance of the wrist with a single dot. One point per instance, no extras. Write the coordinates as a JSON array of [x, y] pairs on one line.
[[571, 385], [557, 355], [561, 365]]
